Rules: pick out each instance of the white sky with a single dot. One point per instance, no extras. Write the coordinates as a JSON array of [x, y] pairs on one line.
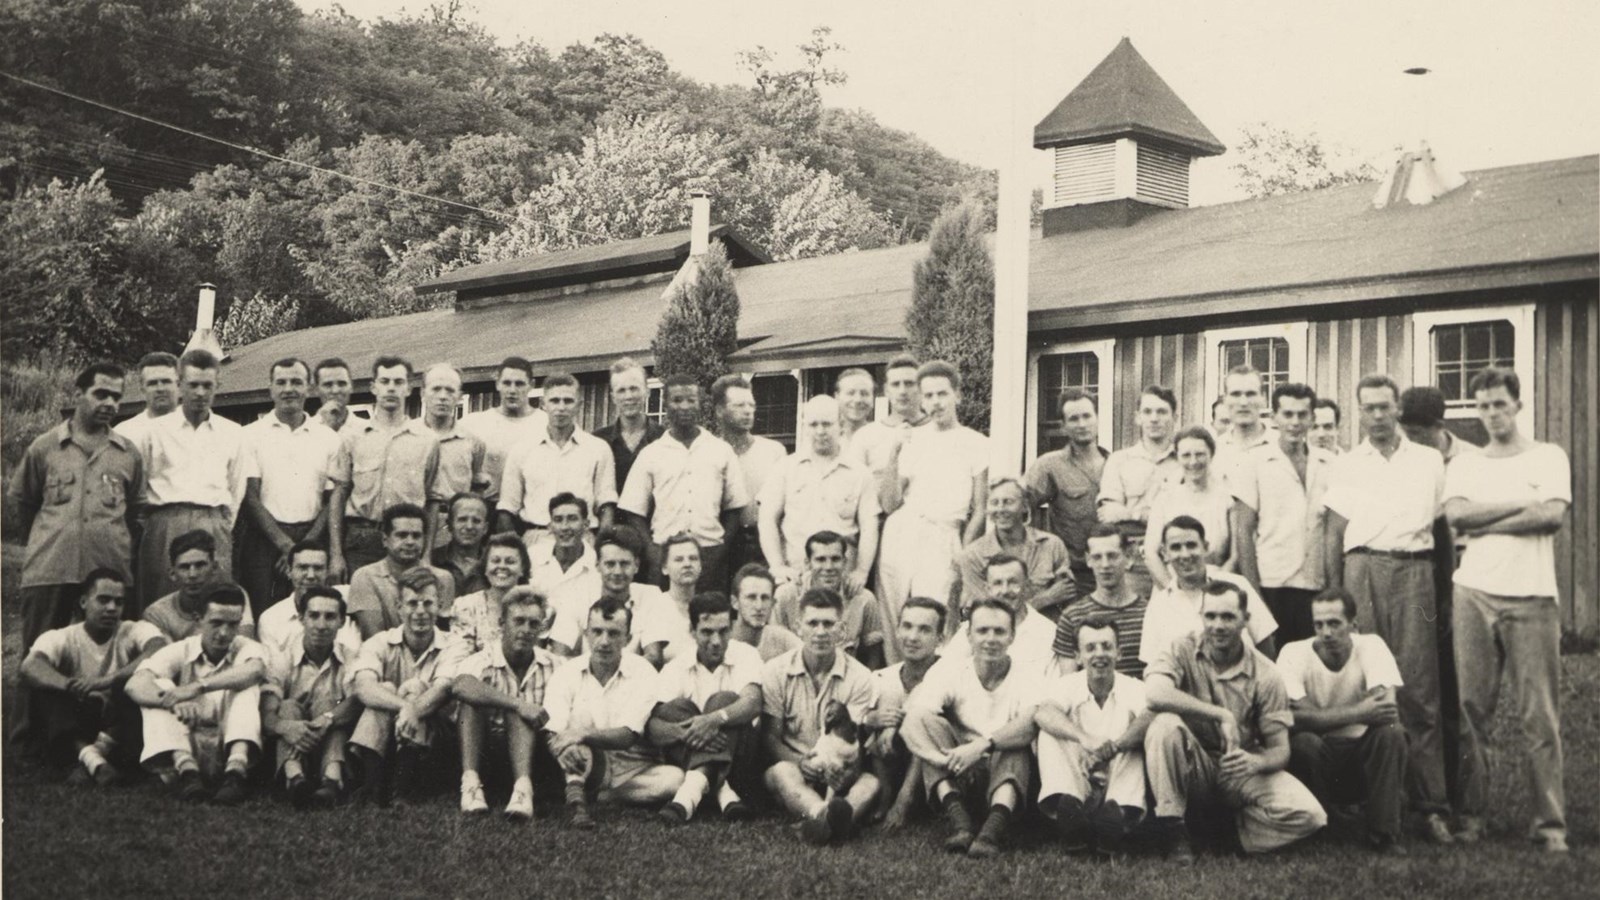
[[1512, 82]]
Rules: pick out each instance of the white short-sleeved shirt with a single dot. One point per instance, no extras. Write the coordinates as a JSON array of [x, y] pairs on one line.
[[1232, 450], [1290, 515], [501, 435], [1510, 565], [938, 467], [1179, 498], [757, 463], [816, 494], [280, 628], [1174, 612], [540, 469], [1390, 504], [873, 442], [294, 465], [892, 691], [1309, 680], [684, 676], [655, 619], [1031, 649], [685, 487], [185, 661], [73, 653], [576, 698], [1125, 703], [952, 689], [207, 466]]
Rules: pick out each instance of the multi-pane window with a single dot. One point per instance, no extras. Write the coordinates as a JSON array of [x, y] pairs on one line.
[[1267, 355], [655, 407], [1462, 350], [777, 407], [1059, 373]]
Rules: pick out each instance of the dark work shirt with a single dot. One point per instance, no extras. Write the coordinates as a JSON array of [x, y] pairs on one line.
[[467, 582], [620, 453]]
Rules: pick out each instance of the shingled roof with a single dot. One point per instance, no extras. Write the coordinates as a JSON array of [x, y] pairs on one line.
[[1124, 97]]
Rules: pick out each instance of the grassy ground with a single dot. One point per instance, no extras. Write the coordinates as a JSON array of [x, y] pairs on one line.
[[62, 842]]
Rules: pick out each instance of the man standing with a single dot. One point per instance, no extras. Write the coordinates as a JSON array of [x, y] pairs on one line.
[[918, 637], [1091, 734], [1325, 416], [634, 429], [1113, 600], [937, 487], [77, 491], [1005, 578], [1132, 475], [196, 467], [1242, 387], [688, 480], [376, 590], [282, 624], [1049, 569], [861, 631], [970, 722], [1347, 731], [562, 459], [599, 704], [1382, 500], [796, 689], [76, 675], [1221, 734], [753, 588], [508, 426], [461, 455], [291, 457], [709, 701], [402, 678], [819, 489], [871, 442], [202, 702], [1176, 609], [307, 705], [1067, 481], [158, 378], [502, 690], [1278, 514], [1509, 502], [383, 461], [333, 384], [734, 405], [194, 570]]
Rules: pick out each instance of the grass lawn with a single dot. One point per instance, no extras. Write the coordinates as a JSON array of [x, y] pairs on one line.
[[135, 841]]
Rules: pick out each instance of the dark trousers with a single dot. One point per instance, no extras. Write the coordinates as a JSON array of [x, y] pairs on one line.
[[46, 607], [255, 562], [161, 527], [1292, 608], [744, 547], [1444, 570], [62, 722], [741, 759], [363, 543], [1369, 770]]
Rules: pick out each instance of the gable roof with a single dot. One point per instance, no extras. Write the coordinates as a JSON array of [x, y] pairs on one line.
[[1124, 96]]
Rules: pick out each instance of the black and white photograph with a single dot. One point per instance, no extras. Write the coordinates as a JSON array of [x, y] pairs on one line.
[[471, 448]]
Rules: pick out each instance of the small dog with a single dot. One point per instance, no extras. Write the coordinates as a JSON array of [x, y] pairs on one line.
[[837, 754]]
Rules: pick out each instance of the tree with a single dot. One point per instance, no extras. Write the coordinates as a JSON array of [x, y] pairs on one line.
[[700, 328], [952, 307], [1271, 161]]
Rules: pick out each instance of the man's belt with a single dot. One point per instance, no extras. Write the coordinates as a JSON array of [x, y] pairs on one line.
[[1395, 554]]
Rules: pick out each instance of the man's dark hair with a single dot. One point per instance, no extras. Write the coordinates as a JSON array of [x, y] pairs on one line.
[[1345, 598], [191, 540], [1097, 622], [721, 387], [1325, 403], [303, 546], [198, 359], [160, 358], [332, 362], [402, 511], [321, 590], [1073, 395], [1106, 529], [514, 362], [1378, 380], [607, 608], [826, 538], [926, 603], [903, 361], [753, 570], [678, 380], [99, 574], [1220, 588], [568, 498], [991, 603], [85, 379], [1004, 559], [1294, 390], [225, 593], [682, 537], [709, 603], [419, 579], [938, 368], [1497, 377], [389, 362], [625, 537], [286, 363], [1187, 523], [1162, 393], [822, 598]]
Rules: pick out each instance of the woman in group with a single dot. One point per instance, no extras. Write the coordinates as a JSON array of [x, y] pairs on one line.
[[1198, 492], [476, 617]]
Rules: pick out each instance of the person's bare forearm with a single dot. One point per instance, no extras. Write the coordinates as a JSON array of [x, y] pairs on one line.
[[1133, 738], [471, 689], [1535, 520], [1056, 723], [1321, 720], [1063, 590], [380, 695], [1469, 514], [1164, 696], [36, 672], [248, 674]]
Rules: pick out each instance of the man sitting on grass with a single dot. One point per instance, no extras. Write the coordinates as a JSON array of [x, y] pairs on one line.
[[708, 701], [1091, 743], [193, 555], [306, 702], [795, 689], [900, 772], [1006, 580], [971, 723], [202, 702], [599, 703], [402, 678], [78, 674], [502, 692], [1220, 737]]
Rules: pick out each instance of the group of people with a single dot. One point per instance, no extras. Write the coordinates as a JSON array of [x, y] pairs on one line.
[[1232, 632]]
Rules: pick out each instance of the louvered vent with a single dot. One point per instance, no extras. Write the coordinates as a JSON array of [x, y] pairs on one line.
[[1085, 173], [1163, 176]]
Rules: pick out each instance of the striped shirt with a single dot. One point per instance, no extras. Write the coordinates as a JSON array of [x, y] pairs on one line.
[[1130, 625]]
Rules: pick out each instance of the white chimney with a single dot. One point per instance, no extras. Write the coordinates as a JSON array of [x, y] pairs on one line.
[[699, 222], [206, 318], [1416, 180]]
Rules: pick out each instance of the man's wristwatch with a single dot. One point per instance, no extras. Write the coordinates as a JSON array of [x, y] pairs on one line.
[[723, 716]]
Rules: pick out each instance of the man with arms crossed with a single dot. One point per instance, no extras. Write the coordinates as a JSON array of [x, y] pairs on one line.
[[1113, 599]]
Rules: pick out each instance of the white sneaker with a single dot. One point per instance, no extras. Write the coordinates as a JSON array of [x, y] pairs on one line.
[[472, 801], [520, 807]]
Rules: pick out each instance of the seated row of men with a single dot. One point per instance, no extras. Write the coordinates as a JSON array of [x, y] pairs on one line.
[[983, 721]]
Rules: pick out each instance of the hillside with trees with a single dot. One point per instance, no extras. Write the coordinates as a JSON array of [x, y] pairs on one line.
[[109, 220]]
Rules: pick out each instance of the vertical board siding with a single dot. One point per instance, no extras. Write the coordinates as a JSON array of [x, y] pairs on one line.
[[1586, 464]]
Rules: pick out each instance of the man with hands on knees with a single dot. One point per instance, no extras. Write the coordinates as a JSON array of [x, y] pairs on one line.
[[901, 772], [307, 703]]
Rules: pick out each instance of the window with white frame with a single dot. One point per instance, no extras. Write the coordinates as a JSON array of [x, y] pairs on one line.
[[1053, 371], [655, 406], [1278, 352], [777, 399], [1451, 346]]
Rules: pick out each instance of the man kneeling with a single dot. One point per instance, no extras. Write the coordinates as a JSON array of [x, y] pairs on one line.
[[1091, 744], [78, 675], [402, 677], [599, 703], [502, 693], [708, 702], [307, 703], [971, 722], [202, 702]]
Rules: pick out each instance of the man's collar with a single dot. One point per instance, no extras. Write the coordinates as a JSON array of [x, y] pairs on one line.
[[497, 657], [337, 654], [1246, 665], [798, 666], [396, 636]]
